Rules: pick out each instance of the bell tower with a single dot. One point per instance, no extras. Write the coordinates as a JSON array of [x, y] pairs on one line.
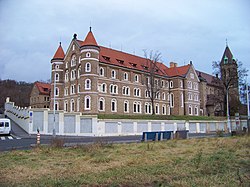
[[229, 77]]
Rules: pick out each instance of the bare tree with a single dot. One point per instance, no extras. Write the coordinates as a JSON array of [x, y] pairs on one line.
[[153, 83], [231, 79]]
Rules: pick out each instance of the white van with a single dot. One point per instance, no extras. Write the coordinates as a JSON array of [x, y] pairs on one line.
[[5, 126]]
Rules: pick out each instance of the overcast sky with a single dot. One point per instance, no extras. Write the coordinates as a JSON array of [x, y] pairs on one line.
[[182, 30]]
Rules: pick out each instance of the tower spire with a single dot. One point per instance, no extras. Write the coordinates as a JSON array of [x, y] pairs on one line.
[[226, 43]]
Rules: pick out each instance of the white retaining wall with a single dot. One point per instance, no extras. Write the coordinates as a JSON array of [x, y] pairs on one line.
[[75, 124]]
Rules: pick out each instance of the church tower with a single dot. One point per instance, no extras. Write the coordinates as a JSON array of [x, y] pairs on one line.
[[57, 79], [229, 77], [90, 71]]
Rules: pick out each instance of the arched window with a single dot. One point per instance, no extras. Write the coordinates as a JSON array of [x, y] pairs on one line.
[[168, 110], [137, 107], [103, 87], [72, 90], [171, 84], [162, 83], [190, 110], [56, 105], [137, 92], [167, 84], [196, 111], [66, 76], [189, 84], [87, 67], [126, 106], [127, 91], [113, 89], [73, 60], [87, 102], [57, 77], [136, 78], [66, 91], [101, 104], [171, 98], [125, 76], [73, 74], [157, 108], [101, 71], [72, 105], [163, 96], [57, 91], [87, 84], [65, 106], [164, 109], [79, 72], [113, 105], [113, 74]]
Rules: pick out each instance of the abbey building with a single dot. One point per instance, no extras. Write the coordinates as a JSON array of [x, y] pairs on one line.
[[93, 79]]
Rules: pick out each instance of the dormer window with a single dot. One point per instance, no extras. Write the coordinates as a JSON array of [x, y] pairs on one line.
[[106, 58], [120, 61], [133, 64], [145, 67]]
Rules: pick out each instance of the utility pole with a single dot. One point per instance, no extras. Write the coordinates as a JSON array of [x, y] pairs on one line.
[[228, 114], [248, 112]]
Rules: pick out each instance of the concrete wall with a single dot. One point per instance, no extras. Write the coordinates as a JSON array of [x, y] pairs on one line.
[[76, 124]]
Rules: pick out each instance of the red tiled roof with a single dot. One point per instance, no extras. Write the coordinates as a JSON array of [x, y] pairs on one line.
[[212, 80], [89, 40], [177, 71], [59, 53], [44, 88], [119, 58]]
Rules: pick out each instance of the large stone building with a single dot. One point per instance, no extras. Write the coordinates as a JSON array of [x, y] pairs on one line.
[[40, 95], [93, 79]]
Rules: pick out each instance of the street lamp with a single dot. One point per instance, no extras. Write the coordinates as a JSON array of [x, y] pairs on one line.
[[228, 115]]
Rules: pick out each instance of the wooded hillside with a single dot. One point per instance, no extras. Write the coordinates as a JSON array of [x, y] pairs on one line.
[[19, 92]]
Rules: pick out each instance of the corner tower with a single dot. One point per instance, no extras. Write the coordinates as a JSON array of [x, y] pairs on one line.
[[90, 71], [57, 80]]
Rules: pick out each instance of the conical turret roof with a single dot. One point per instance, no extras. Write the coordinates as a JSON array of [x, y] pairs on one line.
[[59, 55], [90, 39]]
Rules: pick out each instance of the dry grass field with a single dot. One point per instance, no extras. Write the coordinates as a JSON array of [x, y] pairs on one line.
[[192, 162]]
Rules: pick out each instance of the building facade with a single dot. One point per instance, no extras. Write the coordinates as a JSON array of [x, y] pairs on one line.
[[40, 95], [93, 79]]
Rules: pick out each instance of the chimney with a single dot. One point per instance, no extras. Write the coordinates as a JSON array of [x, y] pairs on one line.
[[173, 64], [191, 62]]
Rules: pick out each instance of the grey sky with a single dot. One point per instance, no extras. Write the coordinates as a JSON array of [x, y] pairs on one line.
[[30, 31]]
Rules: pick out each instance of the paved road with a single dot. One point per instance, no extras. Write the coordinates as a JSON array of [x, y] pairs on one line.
[[19, 139]]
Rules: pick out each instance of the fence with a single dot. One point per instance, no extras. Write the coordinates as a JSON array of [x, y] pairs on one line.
[[76, 124]]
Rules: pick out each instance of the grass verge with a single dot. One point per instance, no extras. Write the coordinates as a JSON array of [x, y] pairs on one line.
[[159, 117], [192, 162]]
